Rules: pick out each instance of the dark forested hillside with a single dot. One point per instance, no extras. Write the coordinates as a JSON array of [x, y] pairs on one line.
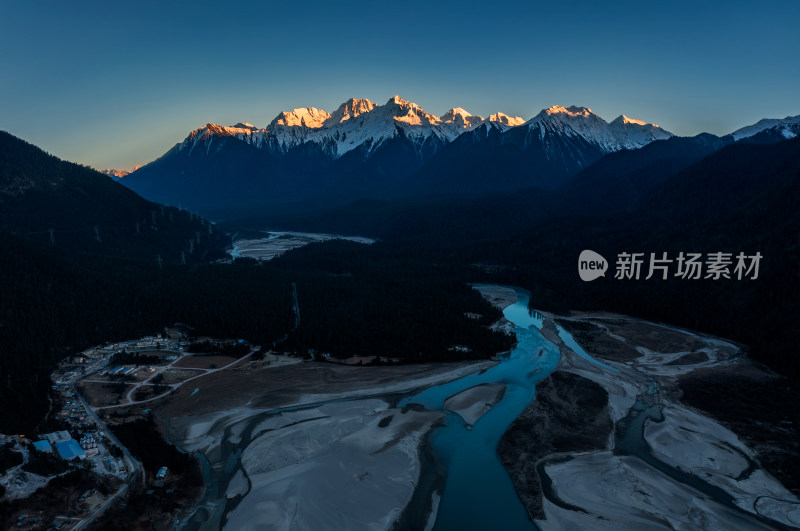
[[742, 198], [366, 300], [51, 202], [620, 179], [614, 183], [487, 160], [353, 300], [194, 176], [57, 302]]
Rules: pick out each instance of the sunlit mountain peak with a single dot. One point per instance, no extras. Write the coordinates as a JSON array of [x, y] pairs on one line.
[[308, 117], [502, 118]]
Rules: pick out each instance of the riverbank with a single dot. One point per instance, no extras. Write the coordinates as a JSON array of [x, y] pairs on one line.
[[663, 465], [569, 414], [759, 406], [500, 296], [272, 384], [306, 444]]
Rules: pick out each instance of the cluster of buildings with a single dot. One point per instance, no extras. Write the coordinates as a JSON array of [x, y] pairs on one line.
[[122, 370], [71, 369], [73, 410], [89, 445], [149, 343], [159, 341], [62, 442]]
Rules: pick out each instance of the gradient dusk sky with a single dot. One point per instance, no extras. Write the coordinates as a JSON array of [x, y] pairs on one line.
[[114, 84]]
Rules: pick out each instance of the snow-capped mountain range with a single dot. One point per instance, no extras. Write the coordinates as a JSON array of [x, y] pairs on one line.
[[621, 133], [788, 127], [360, 122], [362, 149]]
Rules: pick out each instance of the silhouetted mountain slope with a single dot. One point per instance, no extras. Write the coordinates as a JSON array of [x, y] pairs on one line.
[[397, 150], [463, 203], [744, 191], [90, 213], [226, 175], [487, 160], [384, 172], [742, 198], [219, 173], [619, 179]]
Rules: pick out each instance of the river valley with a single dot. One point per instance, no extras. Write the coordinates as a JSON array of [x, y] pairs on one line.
[[325, 446]]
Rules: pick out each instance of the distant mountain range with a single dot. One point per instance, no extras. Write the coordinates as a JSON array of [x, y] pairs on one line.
[[119, 174], [396, 150], [393, 150]]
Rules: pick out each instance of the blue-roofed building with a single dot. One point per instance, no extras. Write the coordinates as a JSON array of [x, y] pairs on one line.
[[43, 446], [70, 450]]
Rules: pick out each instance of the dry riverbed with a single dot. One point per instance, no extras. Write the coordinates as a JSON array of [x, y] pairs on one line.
[[311, 445]]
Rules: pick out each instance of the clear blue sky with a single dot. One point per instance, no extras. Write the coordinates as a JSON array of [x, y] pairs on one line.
[[113, 84]]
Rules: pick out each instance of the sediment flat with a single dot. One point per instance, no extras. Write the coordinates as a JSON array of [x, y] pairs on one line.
[[593, 486], [471, 404], [354, 466], [341, 457]]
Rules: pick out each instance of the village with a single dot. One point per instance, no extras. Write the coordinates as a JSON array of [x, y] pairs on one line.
[[79, 448]]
